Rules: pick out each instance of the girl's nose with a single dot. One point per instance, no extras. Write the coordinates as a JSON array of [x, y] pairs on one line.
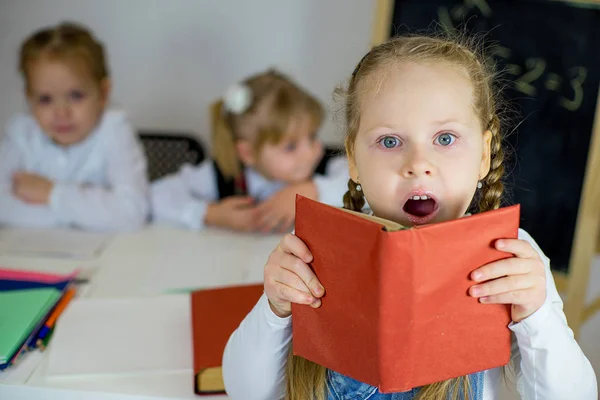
[[416, 166]]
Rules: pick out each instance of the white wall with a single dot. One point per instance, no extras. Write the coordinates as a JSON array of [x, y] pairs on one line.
[[171, 58]]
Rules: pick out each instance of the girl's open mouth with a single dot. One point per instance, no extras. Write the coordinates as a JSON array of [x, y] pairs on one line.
[[420, 208]]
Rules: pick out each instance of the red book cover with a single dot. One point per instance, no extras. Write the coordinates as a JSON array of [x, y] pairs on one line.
[[396, 312], [216, 313]]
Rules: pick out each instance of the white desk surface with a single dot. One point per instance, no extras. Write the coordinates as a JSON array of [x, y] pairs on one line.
[[125, 269]]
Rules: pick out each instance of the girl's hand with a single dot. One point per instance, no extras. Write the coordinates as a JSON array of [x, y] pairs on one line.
[[520, 280], [279, 211], [288, 279], [236, 212], [32, 188]]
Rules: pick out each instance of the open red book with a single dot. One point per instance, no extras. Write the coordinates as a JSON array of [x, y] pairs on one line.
[[396, 313]]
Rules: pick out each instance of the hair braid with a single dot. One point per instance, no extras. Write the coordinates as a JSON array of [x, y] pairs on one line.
[[491, 192], [353, 199]]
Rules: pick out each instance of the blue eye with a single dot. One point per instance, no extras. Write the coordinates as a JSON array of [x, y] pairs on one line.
[[76, 95], [446, 139], [389, 142], [44, 99]]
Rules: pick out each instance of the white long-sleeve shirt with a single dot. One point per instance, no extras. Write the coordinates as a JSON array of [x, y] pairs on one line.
[[183, 198], [99, 183], [547, 361]]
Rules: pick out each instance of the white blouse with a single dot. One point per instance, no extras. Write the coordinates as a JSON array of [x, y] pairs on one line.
[[182, 199], [99, 183]]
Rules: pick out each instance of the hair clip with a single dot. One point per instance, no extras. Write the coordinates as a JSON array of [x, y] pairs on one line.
[[237, 99]]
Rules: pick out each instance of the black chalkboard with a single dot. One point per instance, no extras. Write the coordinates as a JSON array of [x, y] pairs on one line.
[[550, 53]]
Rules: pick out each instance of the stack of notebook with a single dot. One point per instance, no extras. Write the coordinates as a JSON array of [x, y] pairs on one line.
[[30, 303]]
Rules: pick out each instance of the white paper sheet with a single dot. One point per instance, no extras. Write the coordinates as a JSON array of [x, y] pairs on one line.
[[122, 336], [212, 258], [52, 243]]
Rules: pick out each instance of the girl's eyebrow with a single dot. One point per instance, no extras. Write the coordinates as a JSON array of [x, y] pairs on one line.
[[381, 126], [446, 121]]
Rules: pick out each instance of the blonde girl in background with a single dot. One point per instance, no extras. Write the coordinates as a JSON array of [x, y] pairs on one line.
[[265, 150], [70, 161], [424, 146]]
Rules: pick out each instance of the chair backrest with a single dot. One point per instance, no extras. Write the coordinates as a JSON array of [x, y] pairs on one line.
[[167, 152]]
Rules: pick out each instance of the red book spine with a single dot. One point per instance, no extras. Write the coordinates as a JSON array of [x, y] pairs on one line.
[[397, 319]]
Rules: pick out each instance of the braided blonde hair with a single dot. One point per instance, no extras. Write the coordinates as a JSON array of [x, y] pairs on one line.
[[492, 185], [307, 380]]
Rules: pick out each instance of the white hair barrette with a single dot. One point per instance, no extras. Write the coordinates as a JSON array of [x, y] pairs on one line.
[[237, 99]]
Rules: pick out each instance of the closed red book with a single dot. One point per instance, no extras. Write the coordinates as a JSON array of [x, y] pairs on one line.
[[216, 313], [396, 312]]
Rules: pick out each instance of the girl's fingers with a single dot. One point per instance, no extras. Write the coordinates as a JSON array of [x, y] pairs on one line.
[[498, 269], [518, 247], [287, 225], [292, 254], [503, 285], [288, 278], [292, 244], [281, 293], [268, 215], [282, 225], [271, 223], [294, 296], [267, 224], [303, 271], [515, 297], [239, 201]]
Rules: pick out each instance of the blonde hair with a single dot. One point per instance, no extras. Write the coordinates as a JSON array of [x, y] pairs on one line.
[[276, 100], [307, 380], [65, 42]]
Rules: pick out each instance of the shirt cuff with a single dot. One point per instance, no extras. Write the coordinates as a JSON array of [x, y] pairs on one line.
[[273, 320], [534, 325], [56, 201], [193, 215]]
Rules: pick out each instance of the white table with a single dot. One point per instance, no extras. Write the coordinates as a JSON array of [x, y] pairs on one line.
[[126, 269]]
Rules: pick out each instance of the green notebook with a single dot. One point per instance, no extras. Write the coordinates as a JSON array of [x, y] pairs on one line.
[[20, 311]]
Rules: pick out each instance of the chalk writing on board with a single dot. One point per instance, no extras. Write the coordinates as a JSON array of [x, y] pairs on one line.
[[534, 70]]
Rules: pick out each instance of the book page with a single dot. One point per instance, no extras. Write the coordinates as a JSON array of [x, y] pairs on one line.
[[388, 225], [52, 243], [119, 336]]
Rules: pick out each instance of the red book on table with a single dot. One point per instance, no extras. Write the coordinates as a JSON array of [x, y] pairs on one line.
[[216, 313]]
